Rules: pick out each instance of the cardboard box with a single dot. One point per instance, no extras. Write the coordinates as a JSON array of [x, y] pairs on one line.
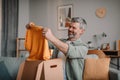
[[117, 44], [41, 70], [52, 70], [28, 69], [20, 71]]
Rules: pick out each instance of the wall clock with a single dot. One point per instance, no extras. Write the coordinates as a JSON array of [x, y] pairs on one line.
[[100, 12]]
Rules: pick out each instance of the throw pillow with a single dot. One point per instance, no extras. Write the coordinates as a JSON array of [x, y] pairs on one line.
[[4, 75], [96, 69]]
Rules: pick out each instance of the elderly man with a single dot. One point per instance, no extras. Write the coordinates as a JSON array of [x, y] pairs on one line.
[[72, 51]]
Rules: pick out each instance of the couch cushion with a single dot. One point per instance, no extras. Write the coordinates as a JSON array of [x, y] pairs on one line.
[[12, 65], [96, 69], [4, 75], [114, 74]]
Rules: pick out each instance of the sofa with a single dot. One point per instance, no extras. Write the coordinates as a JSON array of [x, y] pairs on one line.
[[9, 69]]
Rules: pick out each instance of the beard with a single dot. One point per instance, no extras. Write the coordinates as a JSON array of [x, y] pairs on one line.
[[71, 35]]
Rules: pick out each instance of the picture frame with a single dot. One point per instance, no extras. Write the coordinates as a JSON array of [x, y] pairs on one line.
[[105, 46], [64, 13]]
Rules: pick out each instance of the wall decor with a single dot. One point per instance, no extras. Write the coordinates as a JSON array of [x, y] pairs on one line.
[[100, 12], [64, 15], [105, 46]]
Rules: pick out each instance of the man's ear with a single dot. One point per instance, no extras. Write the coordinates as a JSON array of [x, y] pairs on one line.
[[82, 31]]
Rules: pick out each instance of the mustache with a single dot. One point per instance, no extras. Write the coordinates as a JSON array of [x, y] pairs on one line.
[[71, 35]]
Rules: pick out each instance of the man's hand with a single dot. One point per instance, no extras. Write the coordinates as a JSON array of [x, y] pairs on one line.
[[59, 44], [29, 25], [48, 34]]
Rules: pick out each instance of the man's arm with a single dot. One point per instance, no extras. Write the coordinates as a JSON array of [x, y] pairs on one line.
[[59, 44]]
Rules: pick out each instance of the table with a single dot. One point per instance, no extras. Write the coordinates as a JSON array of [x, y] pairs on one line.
[[113, 54]]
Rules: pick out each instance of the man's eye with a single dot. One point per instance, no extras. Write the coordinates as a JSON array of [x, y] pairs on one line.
[[74, 28], [70, 26]]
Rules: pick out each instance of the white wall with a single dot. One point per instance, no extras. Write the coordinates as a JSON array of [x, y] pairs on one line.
[[0, 23], [44, 12], [23, 20], [23, 17]]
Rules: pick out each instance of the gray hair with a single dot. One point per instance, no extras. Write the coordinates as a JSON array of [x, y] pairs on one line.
[[83, 23]]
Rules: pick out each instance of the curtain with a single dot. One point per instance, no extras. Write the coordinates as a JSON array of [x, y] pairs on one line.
[[9, 27]]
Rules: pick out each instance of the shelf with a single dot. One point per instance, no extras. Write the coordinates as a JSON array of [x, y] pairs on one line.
[[112, 53], [19, 45], [22, 50]]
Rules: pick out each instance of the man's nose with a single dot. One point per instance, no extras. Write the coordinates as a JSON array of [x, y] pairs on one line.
[[70, 29]]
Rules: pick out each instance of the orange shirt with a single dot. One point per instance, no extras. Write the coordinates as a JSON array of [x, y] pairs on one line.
[[36, 44]]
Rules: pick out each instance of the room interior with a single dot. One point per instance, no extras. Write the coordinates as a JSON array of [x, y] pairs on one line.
[[45, 13], [41, 13]]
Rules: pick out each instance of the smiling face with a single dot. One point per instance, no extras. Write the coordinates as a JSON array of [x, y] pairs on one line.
[[74, 31]]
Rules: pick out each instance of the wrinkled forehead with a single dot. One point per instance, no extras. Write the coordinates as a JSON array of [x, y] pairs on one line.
[[74, 24]]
